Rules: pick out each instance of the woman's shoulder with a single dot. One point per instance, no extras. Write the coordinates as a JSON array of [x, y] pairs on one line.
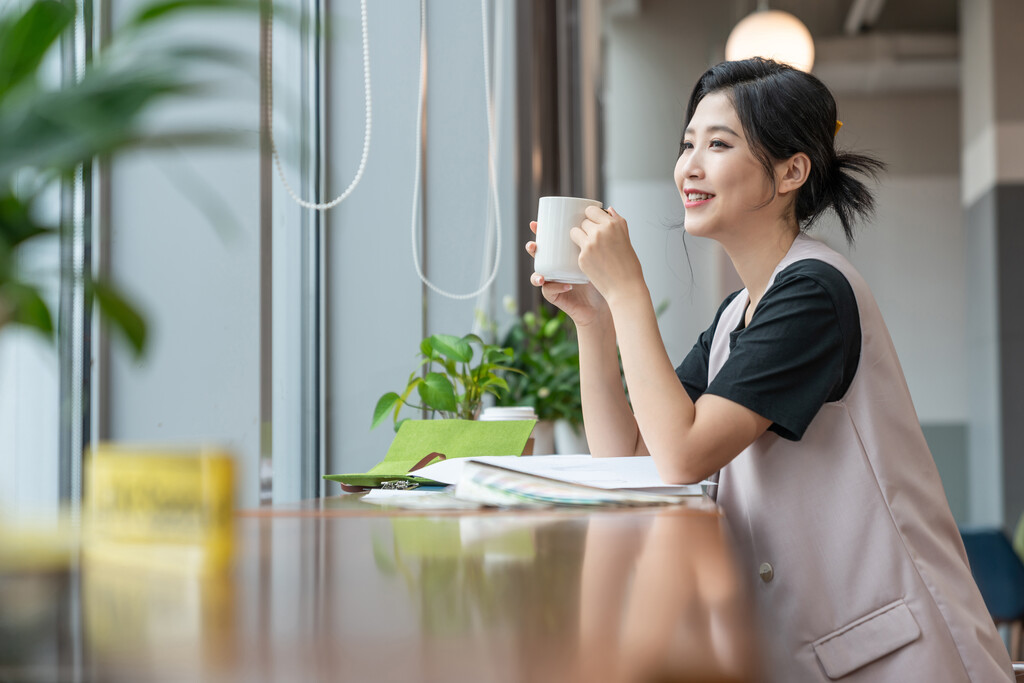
[[725, 304], [812, 295], [814, 277]]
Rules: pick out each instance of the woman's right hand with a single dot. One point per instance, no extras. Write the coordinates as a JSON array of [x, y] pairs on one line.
[[581, 302]]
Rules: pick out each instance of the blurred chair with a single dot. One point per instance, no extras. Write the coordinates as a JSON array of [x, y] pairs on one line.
[[1018, 538], [999, 573]]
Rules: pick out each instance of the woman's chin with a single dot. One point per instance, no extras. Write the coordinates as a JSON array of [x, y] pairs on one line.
[[697, 228]]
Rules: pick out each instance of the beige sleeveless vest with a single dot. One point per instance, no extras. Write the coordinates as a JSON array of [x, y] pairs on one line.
[[858, 566]]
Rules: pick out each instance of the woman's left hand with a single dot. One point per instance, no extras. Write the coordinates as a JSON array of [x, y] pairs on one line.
[[606, 254]]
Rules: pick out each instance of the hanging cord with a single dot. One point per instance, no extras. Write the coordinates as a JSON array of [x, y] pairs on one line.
[[369, 117], [483, 308], [490, 157]]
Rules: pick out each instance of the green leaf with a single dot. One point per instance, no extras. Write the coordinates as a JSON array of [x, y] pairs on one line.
[[413, 383], [161, 9], [437, 392], [16, 222], [384, 406], [452, 347], [499, 393], [25, 42], [493, 353], [495, 382], [661, 308], [551, 327], [120, 314], [26, 307], [55, 130]]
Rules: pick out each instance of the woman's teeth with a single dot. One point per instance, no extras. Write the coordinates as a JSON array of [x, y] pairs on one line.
[[698, 197]]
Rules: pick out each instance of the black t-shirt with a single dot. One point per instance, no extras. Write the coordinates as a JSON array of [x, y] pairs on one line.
[[799, 352]]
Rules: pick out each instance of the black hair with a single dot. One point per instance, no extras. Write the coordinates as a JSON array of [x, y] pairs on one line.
[[785, 111]]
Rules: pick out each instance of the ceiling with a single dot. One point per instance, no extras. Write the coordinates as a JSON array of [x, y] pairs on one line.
[[862, 46], [826, 18], [877, 46]]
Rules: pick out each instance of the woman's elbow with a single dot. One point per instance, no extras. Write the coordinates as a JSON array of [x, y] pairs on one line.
[[676, 470]]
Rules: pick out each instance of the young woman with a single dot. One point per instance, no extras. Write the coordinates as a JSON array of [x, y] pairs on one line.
[[794, 395]]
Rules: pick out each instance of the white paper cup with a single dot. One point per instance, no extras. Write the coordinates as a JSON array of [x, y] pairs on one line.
[[557, 257], [506, 413], [509, 413]]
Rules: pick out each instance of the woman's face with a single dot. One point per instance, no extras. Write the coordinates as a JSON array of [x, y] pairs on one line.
[[722, 184]]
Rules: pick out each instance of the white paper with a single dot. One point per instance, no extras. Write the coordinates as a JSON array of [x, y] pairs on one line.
[[605, 473], [417, 500]]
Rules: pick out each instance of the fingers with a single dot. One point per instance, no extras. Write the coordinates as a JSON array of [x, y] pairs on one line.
[[597, 217], [551, 290], [531, 246], [578, 236]]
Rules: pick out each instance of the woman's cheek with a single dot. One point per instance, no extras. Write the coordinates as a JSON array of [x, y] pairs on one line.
[[678, 176]]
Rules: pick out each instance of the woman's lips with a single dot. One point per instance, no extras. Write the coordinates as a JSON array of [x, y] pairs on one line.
[[696, 199]]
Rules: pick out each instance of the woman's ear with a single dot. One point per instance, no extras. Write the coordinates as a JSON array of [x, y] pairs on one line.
[[793, 172]]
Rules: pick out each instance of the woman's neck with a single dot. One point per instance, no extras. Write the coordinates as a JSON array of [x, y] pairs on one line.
[[756, 259]]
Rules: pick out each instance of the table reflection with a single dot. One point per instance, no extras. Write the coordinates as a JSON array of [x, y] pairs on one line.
[[662, 602], [315, 593]]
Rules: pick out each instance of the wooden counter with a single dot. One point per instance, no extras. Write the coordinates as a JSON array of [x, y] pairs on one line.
[[340, 590]]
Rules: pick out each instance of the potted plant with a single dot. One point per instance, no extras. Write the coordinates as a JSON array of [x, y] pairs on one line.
[[546, 375], [453, 385], [47, 132]]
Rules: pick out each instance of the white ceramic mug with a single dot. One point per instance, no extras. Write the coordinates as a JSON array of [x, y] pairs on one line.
[[557, 257]]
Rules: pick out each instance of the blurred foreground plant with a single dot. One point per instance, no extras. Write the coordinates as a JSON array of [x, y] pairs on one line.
[[48, 132]]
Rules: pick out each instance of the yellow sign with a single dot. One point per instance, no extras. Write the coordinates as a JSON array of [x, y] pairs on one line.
[[160, 508]]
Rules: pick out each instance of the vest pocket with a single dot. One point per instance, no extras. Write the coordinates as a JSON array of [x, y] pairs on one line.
[[867, 639]]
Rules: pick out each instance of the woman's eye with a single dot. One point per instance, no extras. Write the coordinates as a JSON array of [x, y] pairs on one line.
[[718, 143], [687, 145]]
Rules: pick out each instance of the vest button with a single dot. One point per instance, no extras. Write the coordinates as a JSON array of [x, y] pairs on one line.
[[766, 572]]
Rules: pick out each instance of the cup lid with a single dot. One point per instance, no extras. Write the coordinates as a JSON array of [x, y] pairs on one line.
[[496, 413]]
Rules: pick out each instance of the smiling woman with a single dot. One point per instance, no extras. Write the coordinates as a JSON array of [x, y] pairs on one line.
[[794, 396]]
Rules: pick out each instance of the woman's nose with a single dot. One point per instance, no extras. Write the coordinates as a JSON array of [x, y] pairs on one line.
[[689, 165]]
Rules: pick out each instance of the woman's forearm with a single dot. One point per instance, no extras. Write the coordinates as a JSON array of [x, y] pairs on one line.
[[610, 426], [662, 409]]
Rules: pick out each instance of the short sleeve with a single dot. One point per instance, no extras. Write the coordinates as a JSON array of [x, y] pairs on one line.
[[693, 371], [799, 352]]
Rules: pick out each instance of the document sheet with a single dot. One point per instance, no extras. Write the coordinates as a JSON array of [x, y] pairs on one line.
[[636, 473]]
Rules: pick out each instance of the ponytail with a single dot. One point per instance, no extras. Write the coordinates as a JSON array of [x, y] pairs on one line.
[[846, 195]]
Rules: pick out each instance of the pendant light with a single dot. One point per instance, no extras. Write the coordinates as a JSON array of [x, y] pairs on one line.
[[772, 34]]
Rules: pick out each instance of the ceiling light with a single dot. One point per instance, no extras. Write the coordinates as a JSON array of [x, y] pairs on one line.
[[772, 34]]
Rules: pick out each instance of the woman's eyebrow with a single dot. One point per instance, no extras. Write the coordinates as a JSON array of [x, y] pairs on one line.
[[714, 129]]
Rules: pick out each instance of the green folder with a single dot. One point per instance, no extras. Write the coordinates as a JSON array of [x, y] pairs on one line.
[[416, 440]]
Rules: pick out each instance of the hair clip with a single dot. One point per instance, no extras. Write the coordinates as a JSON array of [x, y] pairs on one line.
[[839, 124]]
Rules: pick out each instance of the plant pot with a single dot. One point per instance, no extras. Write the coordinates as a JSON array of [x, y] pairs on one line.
[[544, 438], [568, 441]]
